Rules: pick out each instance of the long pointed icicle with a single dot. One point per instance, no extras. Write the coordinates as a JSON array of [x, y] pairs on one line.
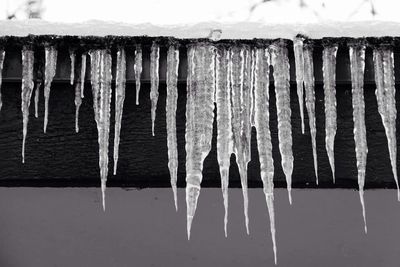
[[72, 57], [120, 80], [199, 120], [224, 126], [280, 63], [310, 100], [329, 73], [138, 70], [154, 80], [252, 78], [264, 144], [78, 103], [241, 115], [83, 74], [2, 55], [50, 71], [385, 96], [299, 65], [357, 65], [26, 92], [171, 105], [101, 86]]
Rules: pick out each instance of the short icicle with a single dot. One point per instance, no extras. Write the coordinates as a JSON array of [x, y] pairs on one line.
[[26, 91], [309, 86], [199, 120], [138, 70], [72, 57], [101, 86], [264, 143], [170, 108], [2, 55], [83, 73], [299, 65], [357, 65], [49, 72], [120, 81], [224, 126], [154, 80], [385, 96], [241, 115], [280, 63], [329, 76]]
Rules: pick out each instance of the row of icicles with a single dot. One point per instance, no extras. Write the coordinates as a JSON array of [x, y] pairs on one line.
[[236, 79]]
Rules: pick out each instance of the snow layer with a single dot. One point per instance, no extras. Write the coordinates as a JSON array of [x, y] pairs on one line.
[[242, 30]]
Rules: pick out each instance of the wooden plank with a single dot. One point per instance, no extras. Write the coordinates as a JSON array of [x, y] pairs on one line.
[[63, 158]]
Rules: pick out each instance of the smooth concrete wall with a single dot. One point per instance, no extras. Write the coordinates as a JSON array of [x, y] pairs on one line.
[[67, 227]]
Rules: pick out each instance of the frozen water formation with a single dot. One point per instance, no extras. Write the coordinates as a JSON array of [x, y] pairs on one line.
[[357, 65], [299, 65], [101, 90], [280, 63], [386, 98], [120, 80], [138, 70], [329, 76], [199, 120], [50, 71], [154, 80], [171, 105], [2, 55]]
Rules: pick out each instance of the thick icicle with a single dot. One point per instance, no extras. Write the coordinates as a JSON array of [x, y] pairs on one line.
[[264, 144], [49, 72], [199, 120], [241, 109], [280, 63], [154, 80], [120, 80], [78, 99], [138, 70], [310, 101], [2, 55], [299, 65], [26, 92], [72, 58], [101, 85], [83, 74], [37, 90], [171, 105], [357, 64], [252, 78], [224, 126], [385, 96], [329, 73]]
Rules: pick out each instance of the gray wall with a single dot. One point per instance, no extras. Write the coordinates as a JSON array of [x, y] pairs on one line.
[[67, 227]]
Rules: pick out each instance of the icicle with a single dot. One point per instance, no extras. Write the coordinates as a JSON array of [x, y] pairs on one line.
[[101, 86], [37, 90], [252, 78], [138, 70], [241, 109], [83, 74], [199, 120], [72, 57], [172, 98], [154, 65], [280, 63], [357, 64], [299, 65], [50, 71], [264, 144], [78, 103], [26, 92], [329, 73], [310, 101], [119, 101], [385, 96], [224, 126], [2, 55]]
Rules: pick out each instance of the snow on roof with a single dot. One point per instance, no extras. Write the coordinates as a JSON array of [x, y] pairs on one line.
[[243, 30]]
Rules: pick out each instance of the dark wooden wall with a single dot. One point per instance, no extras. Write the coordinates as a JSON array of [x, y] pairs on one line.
[[63, 158]]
